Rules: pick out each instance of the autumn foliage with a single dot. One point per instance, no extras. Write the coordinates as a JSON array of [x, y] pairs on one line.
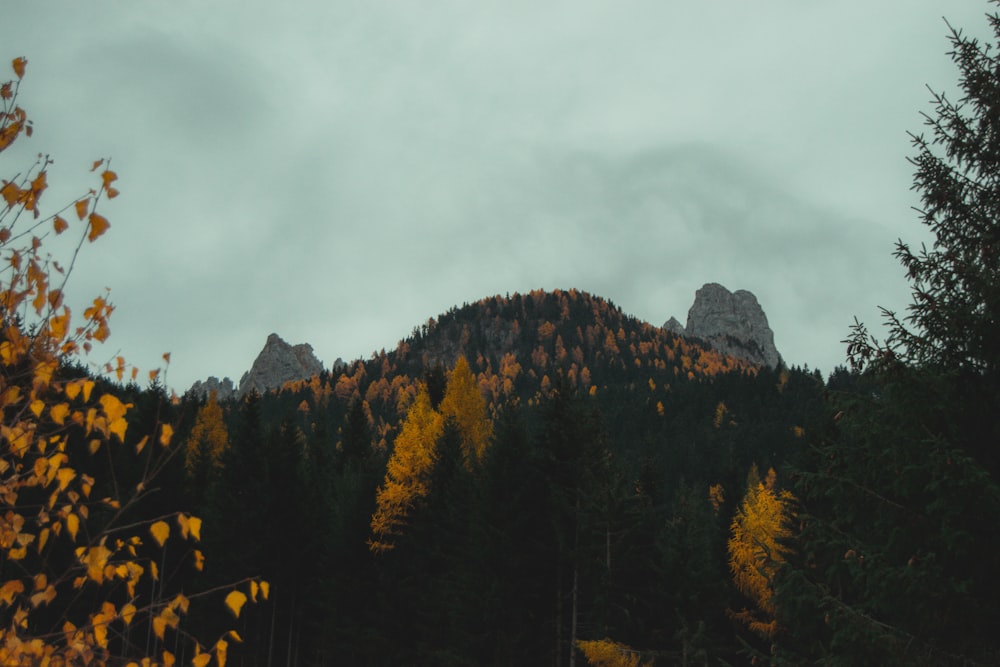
[[756, 548], [72, 563]]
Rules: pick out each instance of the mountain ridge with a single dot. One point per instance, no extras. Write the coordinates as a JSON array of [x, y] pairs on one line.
[[567, 330]]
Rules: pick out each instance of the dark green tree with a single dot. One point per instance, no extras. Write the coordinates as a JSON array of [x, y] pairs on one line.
[[896, 560]]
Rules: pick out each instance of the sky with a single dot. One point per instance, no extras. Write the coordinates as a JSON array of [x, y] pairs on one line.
[[339, 172]]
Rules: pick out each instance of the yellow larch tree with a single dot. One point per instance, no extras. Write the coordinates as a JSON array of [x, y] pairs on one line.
[[209, 438], [407, 471], [608, 653], [756, 549], [463, 402], [63, 553]]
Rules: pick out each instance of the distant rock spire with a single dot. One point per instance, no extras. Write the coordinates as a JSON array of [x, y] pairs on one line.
[[731, 322], [279, 363]]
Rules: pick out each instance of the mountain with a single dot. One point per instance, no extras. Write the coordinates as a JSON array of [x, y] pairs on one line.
[[732, 323], [277, 364]]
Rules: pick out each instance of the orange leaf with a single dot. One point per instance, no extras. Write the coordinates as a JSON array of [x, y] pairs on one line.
[[166, 433], [19, 64], [81, 208], [235, 601], [160, 531], [98, 225], [60, 225], [97, 163]]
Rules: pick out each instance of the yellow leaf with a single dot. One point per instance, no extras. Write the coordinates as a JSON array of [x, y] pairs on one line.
[[72, 390], [201, 660], [113, 408], [65, 475], [166, 433], [253, 591], [141, 444], [128, 613], [98, 225], [9, 590], [95, 559], [100, 630], [235, 601], [168, 659], [37, 406], [72, 525], [199, 560], [265, 589], [88, 386], [235, 635], [194, 523], [220, 652], [117, 427], [160, 532], [46, 596], [159, 627], [59, 412]]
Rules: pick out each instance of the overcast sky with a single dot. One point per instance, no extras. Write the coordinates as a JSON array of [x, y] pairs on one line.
[[339, 172]]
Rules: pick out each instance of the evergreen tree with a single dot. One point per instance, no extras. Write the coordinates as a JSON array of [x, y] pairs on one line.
[[895, 560]]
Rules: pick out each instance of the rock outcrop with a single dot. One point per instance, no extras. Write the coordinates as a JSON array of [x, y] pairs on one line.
[[731, 322], [223, 389], [675, 327], [279, 363]]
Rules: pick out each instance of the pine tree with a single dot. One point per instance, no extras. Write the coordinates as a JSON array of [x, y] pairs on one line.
[[897, 558]]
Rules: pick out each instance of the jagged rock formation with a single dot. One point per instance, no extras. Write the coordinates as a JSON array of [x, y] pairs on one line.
[[675, 327], [224, 389], [731, 322], [279, 363]]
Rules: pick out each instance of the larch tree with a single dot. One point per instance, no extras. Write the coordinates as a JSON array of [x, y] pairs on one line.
[[464, 403], [71, 565], [756, 550], [407, 471], [205, 447]]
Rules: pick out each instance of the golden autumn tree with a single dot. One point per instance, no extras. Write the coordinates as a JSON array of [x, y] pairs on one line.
[[464, 403], [407, 471], [756, 549], [71, 565], [208, 440], [607, 653]]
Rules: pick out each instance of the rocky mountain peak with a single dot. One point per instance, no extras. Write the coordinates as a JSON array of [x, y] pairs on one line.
[[732, 322], [279, 363]]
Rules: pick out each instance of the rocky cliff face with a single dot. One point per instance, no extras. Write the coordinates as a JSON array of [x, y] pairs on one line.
[[223, 389], [276, 364], [731, 322], [279, 363]]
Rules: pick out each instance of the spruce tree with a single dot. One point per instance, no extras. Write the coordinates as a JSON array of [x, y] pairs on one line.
[[895, 559]]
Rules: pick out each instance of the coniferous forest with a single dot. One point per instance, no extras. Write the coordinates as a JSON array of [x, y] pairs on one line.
[[530, 479]]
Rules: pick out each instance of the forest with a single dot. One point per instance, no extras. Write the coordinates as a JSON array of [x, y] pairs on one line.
[[532, 478]]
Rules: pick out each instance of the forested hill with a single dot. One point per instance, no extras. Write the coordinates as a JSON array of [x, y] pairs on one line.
[[582, 401], [520, 346]]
